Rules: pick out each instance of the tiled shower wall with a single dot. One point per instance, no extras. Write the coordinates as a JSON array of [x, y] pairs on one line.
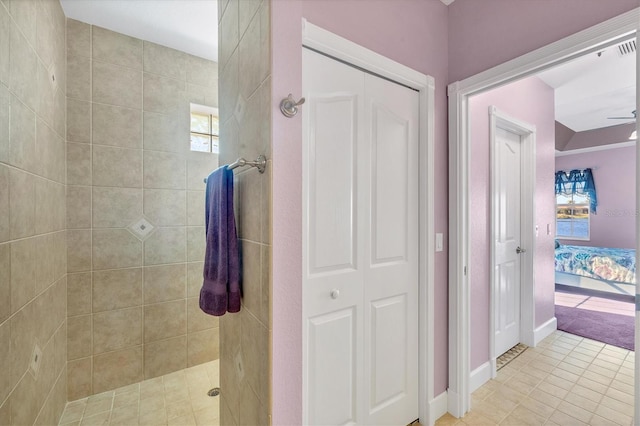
[[245, 114], [133, 309], [33, 278]]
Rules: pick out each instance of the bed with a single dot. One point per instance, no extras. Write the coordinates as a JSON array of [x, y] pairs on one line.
[[596, 268]]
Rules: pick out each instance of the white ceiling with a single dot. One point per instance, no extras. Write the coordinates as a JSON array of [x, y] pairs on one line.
[[187, 25], [592, 88]]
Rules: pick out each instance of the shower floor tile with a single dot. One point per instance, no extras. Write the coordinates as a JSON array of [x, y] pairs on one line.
[[179, 398]]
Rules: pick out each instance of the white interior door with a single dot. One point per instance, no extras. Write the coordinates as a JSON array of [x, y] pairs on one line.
[[360, 244], [507, 216]]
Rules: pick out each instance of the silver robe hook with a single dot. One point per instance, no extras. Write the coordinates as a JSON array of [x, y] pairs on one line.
[[289, 106]]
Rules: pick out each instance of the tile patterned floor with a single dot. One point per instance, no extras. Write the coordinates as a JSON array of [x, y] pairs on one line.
[[566, 380], [178, 398]]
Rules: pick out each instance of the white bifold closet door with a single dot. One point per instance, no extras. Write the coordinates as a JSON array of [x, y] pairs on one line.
[[360, 244]]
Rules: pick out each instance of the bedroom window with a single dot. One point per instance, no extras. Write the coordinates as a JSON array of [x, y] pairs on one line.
[[573, 216]]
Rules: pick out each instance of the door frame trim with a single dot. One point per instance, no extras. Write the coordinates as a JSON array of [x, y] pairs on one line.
[[527, 133], [587, 41], [347, 51]]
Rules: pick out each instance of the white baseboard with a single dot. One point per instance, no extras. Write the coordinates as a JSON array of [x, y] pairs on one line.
[[540, 333], [480, 376], [452, 404], [438, 407]]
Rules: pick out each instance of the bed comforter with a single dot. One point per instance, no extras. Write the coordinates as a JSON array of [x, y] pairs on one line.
[[610, 264]]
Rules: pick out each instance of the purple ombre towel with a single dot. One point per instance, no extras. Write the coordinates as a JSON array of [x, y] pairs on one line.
[[220, 291]]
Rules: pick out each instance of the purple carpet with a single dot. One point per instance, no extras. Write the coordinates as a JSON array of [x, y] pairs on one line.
[[613, 329]]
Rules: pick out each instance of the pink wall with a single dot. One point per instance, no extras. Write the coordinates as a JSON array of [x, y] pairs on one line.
[[483, 34], [448, 43], [614, 172], [412, 32], [532, 101]]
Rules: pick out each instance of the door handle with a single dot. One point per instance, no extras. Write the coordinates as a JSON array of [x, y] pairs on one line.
[[520, 250]]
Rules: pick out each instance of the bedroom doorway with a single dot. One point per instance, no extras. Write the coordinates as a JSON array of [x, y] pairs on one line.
[[590, 41]]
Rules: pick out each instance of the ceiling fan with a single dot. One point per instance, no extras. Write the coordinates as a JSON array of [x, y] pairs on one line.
[[633, 117]]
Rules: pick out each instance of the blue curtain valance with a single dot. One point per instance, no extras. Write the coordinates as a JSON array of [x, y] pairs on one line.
[[577, 182]]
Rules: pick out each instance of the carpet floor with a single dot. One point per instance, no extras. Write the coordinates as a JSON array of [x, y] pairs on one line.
[[598, 318]]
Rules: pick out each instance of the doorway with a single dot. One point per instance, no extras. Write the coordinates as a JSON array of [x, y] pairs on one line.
[[581, 43]]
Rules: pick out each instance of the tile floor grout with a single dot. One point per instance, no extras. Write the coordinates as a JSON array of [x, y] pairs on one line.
[[178, 398], [565, 380]]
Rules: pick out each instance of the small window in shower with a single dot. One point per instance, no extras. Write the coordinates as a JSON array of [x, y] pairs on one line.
[[205, 129]]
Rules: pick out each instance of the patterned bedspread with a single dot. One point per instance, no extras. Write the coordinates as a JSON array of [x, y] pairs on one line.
[[597, 262]]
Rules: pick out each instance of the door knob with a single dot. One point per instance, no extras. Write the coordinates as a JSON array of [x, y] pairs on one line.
[[335, 293], [520, 250]]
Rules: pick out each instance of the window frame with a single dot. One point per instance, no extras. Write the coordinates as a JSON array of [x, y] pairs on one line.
[[573, 206], [210, 112]]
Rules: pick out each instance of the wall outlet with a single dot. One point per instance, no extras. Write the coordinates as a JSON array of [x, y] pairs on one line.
[[36, 360]]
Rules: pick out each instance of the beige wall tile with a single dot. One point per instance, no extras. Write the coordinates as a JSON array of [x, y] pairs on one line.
[[117, 126], [79, 164], [249, 195], [165, 207], [165, 61], [78, 38], [50, 157], [164, 95], [79, 337], [23, 274], [117, 369], [202, 72], [265, 309], [50, 31], [253, 71], [255, 343], [6, 383], [116, 85], [165, 245], [24, 14], [195, 208], [115, 248], [78, 294], [79, 378], [165, 320], [195, 243], [79, 74], [253, 411], [50, 206], [203, 346], [22, 133], [116, 207], [197, 320], [5, 281], [24, 401], [5, 230], [59, 111], [254, 137], [5, 37], [5, 108], [251, 276], [166, 132], [229, 87], [23, 338], [164, 170], [23, 68], [78, 207], [199, 166], [117, 329], [78, 250], [46, 94], [116, 289], [78, 121], [230, 31], [194, 278], [165, 356], [44, 264], [202, 95], [116, 48], [164, 283], [117, 167]]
